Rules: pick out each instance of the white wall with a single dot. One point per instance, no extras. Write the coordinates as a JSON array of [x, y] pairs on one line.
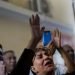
[[62, 11], [14, 34]]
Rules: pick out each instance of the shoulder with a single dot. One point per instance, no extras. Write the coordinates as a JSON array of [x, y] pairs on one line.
[[26, 55], [28, 52]]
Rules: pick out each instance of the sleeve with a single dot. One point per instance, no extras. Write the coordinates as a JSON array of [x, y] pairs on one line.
[[24, 63]]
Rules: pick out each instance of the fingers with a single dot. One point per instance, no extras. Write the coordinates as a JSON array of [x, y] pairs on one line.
[[56, 33], [34, 20], [42, 29], [59, 36], [59, 39], [37, 19]]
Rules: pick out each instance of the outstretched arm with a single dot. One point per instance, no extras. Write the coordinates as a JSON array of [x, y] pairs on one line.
[[25, 61], [56, 40], [36, 31], [69, 63]]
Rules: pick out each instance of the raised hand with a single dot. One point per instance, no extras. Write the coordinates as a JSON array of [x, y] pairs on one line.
[[56, 41], [57, 37], [36, 31], [35, 26]]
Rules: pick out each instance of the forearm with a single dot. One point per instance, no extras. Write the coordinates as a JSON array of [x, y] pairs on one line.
[[69, 63], [33, 43], [52, 47]]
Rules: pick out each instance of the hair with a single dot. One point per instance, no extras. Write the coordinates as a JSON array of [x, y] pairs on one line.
[[69, 48], [42, 49], [9, 51]]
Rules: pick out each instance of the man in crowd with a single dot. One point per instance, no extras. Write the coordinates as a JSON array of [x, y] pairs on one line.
[[9, 61], [2, 66]]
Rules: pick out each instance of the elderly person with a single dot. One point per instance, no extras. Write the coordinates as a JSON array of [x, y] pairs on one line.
[[9, 61]]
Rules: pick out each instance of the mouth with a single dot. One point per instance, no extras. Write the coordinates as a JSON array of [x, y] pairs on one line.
[[49, 63]]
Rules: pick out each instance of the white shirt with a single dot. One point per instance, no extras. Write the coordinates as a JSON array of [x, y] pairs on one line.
[[59, 62]]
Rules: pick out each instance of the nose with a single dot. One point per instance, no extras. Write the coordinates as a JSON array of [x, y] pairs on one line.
[[47, 57], [13, 61]]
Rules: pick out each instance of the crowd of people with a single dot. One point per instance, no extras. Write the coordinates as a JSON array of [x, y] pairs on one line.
[[38, 59]]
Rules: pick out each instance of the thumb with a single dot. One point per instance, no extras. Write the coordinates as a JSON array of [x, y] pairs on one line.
[[42, 29]]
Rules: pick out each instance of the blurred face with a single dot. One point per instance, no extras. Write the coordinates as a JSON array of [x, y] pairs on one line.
[[2, 68], [10, 61], [43, 62], [70, 51]]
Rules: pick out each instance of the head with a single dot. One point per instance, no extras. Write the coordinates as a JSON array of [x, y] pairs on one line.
[[69, 50], [9, 60], [42, 61]]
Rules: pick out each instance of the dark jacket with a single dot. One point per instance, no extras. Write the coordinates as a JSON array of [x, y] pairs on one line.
[[24, 63]]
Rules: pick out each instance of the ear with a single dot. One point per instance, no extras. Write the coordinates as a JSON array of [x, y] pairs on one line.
[[33, 69]]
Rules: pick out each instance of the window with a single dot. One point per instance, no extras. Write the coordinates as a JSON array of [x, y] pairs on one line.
[[40, 6], [44, 7]]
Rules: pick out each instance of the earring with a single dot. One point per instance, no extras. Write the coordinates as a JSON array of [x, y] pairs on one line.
[[33, 70]]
